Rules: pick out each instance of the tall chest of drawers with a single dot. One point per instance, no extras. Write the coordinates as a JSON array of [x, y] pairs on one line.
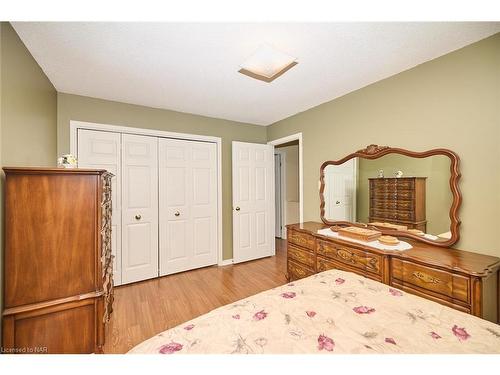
[[58, 286], [398, 201]]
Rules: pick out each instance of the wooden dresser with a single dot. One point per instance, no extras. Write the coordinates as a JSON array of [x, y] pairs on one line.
[[465, 281], [398, 201], [58, 286]]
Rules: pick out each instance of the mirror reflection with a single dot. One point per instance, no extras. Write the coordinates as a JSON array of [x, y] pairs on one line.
[[392, 192]]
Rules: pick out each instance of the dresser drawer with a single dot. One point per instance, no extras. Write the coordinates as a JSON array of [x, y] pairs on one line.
[[393, 183], [392, 205], [378, 194], [434, 281], [323, 264], [351, 257], [387, 214], [301, 239], [392, 195], [405, 184], [383, 204], [298, 271], [403, 205], [301, 255], [405, 194]]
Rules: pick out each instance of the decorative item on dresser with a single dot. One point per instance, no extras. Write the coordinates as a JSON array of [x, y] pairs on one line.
[[58, 283], [463, 280], [398, 201]]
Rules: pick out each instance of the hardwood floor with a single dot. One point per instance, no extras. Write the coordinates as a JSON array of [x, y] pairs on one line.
[[144, 309]]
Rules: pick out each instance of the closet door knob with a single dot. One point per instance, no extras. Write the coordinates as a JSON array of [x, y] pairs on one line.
[[237, 208], [177, 213], [138, 217]]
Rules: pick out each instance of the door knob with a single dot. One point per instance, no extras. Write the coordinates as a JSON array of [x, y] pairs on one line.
[[177, 213], [138, 217], [338, 202], [237, 208]]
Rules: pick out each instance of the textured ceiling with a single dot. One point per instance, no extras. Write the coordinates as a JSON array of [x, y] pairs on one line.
[[194, 67]]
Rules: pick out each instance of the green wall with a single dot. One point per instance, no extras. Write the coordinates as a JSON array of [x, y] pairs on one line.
[[74, 107], [438, 193], [28, 111], [452, 102]]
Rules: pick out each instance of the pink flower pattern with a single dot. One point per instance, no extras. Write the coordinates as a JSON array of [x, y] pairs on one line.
[[466, 334], [326, 343], [170, 348], [395, 292], [460, 333], [390, 340], [434, 335], [260, 315], [363, 310]]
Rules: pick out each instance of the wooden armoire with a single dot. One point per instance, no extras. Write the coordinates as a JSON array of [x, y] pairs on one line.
[[58, 286]]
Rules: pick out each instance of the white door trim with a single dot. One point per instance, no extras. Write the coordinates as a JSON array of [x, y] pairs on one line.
[[289, 138], [283, 190], [73, 142]]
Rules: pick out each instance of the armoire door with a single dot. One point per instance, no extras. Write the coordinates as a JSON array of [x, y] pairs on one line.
[[99, 149], [253, 201], [188, 205], [139, 207]]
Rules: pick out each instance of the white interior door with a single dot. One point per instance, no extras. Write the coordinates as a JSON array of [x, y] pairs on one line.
[[140, 207], [253, 201], [101, 150], [340, 191], [188, 205]]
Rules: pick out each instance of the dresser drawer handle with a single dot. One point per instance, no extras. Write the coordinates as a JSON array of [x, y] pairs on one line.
[[346, 255], [426, 278]]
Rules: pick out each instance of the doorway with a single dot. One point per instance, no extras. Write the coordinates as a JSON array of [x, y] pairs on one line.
[[287, 182]]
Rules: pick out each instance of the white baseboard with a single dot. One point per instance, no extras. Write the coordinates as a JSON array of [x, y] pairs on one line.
[[226, 262]]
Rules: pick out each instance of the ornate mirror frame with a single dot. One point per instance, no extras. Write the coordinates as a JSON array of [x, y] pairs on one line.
[[375, 152]]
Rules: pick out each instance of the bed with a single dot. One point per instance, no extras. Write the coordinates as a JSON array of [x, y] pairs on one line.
[[330, 312]]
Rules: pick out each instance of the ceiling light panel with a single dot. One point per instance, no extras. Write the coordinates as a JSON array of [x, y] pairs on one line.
[[267, 63]]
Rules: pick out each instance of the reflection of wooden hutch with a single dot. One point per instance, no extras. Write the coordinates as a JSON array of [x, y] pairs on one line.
[[398, 201]]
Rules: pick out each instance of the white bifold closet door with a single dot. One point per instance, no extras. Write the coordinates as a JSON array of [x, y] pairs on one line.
[[139, 207], [253, 201], [101, 150], [187, 205]]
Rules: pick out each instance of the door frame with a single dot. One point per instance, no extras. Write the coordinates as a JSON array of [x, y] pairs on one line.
[[282, 155], [289, 138], [73, 146]]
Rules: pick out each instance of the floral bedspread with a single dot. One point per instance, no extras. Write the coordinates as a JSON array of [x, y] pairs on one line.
[[330, 312]]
